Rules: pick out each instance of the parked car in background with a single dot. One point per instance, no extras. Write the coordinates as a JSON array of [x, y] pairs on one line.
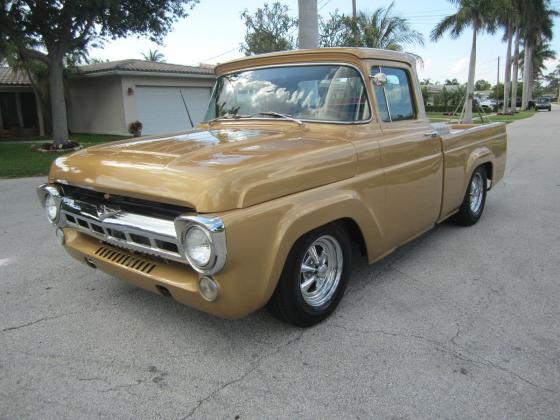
[[543, 103], [489, 104], [302, 156]]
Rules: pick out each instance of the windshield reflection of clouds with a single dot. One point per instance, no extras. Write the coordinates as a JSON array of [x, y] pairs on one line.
[[322, 92]]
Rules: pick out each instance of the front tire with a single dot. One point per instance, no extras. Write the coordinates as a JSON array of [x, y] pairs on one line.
[[314, 277], [475, 198]]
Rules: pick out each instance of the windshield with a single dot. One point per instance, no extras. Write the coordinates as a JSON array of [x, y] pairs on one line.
[[310, 92], [543, 100]]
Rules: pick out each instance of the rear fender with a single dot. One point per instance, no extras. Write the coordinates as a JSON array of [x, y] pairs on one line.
[[479, 156]]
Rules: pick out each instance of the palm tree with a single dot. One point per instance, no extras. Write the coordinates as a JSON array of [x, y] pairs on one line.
[[155, 56], [541, 52], [536, 28], [478, 15], [515, 67], [508, 18], [382, 29]]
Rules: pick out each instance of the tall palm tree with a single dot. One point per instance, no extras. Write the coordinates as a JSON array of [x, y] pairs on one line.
[[480, 15], [541, 52], [515, 67], [508, 17], [536, 28], [154, 55]]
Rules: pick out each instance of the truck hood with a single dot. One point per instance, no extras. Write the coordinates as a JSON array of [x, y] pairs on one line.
[[211, 170]]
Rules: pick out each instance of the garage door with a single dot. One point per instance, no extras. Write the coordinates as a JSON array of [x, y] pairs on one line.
[[161, 109]]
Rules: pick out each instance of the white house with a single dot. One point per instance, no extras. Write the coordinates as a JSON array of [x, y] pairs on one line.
[[107, 97]]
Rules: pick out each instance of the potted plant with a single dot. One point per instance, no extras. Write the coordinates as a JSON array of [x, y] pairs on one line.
[[135, 128]]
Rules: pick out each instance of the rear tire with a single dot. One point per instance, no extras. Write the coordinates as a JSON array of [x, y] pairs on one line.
[[475, 198], [314, 277]]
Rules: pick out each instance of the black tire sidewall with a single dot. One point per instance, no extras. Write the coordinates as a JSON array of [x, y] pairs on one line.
[[293, 307]]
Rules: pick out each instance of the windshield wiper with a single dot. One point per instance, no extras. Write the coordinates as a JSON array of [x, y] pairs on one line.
[[228, 117], [279, 115]]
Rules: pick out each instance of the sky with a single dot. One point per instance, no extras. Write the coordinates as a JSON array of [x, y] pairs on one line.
[[213, 32]]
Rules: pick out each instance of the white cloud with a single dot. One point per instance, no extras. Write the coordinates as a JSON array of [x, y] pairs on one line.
[[551, 64], [424, 69], [459, 69]]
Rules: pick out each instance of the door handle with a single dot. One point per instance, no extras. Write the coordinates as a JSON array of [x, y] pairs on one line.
[[431, 134]]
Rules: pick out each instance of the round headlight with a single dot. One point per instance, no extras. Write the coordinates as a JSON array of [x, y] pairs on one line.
[[51, 207], [198, 246]]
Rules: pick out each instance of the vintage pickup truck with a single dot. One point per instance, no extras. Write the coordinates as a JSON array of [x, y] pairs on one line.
[[302, 155]]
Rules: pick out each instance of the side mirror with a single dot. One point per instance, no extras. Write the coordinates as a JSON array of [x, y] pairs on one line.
[[379, 79]]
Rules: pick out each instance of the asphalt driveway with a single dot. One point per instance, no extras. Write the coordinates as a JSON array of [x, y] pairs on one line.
[[461, 323]]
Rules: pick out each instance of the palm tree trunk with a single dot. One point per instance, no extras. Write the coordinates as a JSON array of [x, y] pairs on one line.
[[58, 101], [507, 76], [532, 72], [470, 83], [308, 27], [526, 75], [531, 78], [515, 70]]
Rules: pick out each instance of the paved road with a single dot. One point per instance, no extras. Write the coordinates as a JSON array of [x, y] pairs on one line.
[[461, 323]]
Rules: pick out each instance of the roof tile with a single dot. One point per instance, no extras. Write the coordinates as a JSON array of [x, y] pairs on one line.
[[141, 65], [10, 76]]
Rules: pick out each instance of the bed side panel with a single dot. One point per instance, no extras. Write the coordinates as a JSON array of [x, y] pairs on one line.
[[463, 152]]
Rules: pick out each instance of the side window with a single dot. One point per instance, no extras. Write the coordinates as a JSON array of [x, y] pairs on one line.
[[395, 99]]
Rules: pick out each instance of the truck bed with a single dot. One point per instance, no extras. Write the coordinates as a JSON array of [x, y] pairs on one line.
[[464, 147]]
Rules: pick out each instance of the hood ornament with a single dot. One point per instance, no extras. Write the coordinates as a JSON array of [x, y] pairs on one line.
[[104, 212]]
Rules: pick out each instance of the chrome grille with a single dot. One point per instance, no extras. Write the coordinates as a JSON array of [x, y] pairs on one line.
[[140, 233], [127, 204]]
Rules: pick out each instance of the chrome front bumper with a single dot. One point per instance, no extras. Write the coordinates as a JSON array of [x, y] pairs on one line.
[[153, 236]]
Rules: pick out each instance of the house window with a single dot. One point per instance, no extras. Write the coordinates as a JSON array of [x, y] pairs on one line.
[[9, 110], [394, 100], [29, 109]]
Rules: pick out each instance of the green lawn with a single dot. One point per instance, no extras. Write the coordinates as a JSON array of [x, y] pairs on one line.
[[440, 117], [19, 160], [511, 118]]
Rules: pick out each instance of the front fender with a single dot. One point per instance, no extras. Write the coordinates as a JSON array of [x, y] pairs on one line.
[[259, 238], [318, 210]]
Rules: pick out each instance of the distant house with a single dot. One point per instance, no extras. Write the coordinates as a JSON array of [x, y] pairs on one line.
[[106, 97], [20, 110], [436, 89]]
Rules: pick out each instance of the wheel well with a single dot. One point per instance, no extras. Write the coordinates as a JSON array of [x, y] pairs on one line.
[[355, 233], [488, 168]]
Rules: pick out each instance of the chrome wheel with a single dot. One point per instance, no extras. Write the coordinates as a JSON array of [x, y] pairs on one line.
[[476, 193], [320, 271]]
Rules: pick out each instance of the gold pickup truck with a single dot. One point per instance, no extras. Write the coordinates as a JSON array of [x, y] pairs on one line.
[[301, 155]]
